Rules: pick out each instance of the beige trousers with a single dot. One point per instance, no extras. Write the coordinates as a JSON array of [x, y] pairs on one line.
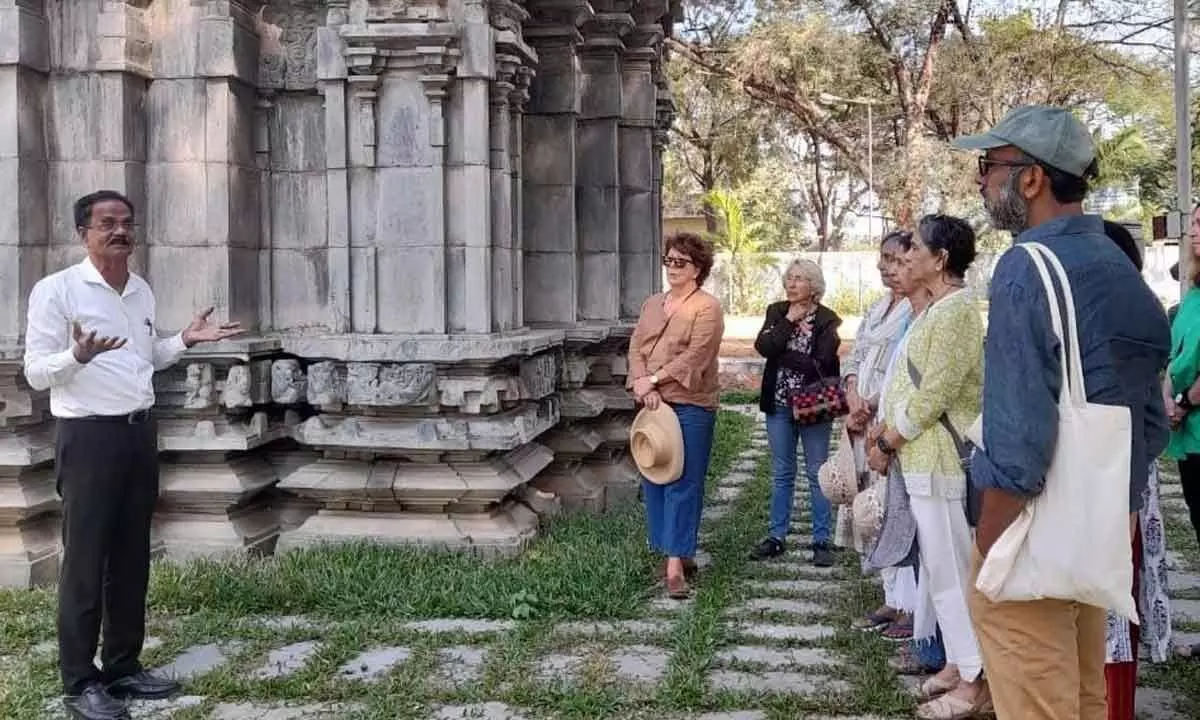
[[1043, 660]]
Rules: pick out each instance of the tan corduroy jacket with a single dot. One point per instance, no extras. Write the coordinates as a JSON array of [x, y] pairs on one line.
[[685, 348]]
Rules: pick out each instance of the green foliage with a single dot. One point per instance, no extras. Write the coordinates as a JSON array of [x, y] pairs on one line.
[[850, 302], [741, 239]]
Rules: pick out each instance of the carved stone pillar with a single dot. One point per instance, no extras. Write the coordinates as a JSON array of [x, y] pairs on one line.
[[551, 259], [597, 158], [25, 205], [29, 548], [517, 104], [640, 268], [512, 60], [202, 202]]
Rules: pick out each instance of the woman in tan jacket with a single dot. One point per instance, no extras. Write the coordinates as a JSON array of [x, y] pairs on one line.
[[673, 359]]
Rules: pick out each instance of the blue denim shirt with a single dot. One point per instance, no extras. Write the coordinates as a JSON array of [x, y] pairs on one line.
[[1124, 343]]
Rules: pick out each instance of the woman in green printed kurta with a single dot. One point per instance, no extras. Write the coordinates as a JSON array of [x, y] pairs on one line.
[[938, 372]]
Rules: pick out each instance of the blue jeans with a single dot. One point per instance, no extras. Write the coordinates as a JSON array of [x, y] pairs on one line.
[[673, 511], [783, 433]]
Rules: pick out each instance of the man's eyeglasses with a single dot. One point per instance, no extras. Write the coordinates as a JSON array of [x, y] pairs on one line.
[[986, 164], [675, 262], [107, 226]]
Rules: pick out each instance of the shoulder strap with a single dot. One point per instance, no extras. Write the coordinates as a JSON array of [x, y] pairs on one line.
[[1068, 336], [670, 317], [964, 453]]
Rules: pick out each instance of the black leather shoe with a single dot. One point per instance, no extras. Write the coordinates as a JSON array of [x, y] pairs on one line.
[[94, 703], [767, 549], [822, 556], [143, 686]]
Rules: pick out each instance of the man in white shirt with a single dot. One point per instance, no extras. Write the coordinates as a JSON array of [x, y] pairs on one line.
[[91, 341]]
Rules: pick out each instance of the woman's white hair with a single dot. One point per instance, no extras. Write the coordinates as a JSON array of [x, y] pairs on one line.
[[811, 272]]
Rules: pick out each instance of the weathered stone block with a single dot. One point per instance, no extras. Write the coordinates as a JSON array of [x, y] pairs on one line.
[[29, 553]]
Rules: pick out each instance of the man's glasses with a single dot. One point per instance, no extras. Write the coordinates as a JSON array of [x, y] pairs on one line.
[[986, 164], [675, 262], [107, 226]]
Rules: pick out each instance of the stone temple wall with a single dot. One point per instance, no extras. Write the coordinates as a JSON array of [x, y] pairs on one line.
[[438, 219]]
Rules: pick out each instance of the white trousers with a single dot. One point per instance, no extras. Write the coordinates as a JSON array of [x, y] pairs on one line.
[[900, 588], [946, 541]]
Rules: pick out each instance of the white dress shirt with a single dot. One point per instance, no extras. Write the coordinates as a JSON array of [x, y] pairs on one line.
[[116, 382]]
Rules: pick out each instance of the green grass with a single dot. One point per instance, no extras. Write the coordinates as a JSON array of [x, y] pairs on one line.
[[740, 397]]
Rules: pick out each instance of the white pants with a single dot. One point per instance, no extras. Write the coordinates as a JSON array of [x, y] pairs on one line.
[[900, 588], [946, 542]]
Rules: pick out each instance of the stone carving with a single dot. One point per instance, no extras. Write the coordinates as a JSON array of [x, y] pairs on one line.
[[199, 387], [360, 146], [326, 385], [288, 55], [539, 375], [288, 386], [236, 392], [389, 385]]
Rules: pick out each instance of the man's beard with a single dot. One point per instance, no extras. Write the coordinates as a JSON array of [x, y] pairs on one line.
[[1009, 211]]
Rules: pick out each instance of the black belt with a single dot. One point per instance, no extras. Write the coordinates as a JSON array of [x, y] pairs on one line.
[[137, 417]]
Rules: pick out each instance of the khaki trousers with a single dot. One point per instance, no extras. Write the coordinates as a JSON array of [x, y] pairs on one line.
[[1043, 660]]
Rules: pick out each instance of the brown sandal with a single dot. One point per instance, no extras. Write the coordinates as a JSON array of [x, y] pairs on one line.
[[678, 589]]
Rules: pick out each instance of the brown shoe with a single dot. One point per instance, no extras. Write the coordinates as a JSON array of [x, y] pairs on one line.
[[678, 589]]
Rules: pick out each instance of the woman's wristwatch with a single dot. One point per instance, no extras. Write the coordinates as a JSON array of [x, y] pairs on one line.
[[882, 443], [1183, 402]]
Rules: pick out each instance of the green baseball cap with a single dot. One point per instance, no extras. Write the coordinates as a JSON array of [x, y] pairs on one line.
[[1051, 135]]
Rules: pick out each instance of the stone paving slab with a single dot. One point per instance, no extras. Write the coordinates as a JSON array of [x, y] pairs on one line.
[[776, 659], [774, 682], [792, 586], [479, 711], [640, 663], [287, 660], [255, 711], [767, 606], [1185, 611], [455, 626], [461, 664], [777, 633], [1183, 581], [586, 629], [199, 660], [374, 663]]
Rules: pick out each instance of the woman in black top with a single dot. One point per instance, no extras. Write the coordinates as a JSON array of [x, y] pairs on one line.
[[799, 339]]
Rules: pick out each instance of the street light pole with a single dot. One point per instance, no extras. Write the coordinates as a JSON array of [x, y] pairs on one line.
[[833, 99], [1183, 143], [870, 173]]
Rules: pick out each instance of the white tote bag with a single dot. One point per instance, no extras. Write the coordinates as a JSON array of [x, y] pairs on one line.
[[1071, 542]]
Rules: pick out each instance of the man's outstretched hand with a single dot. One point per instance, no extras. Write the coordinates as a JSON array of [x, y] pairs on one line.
[[203, 330], [88, 346]]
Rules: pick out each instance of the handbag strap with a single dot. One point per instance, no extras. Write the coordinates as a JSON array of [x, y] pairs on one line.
[[670, 317], [960, 446], [1068, 339]]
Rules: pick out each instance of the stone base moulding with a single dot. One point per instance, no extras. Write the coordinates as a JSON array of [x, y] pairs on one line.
[[503, 532]]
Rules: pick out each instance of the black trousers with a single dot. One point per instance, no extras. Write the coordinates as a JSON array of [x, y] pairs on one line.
[[108, 479], [1189, 474]]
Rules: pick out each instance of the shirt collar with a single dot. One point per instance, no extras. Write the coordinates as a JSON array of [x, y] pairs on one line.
[[93, 276], [1066, 225]]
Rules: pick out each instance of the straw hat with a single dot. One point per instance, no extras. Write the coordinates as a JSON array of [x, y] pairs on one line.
[[838, 476], [868, 513], [656, 442]]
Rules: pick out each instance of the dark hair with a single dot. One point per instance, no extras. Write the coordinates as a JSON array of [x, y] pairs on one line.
[[83, 206], [1065, 187], [698, 250], [1120, 235], [952, 234], [903, 238]]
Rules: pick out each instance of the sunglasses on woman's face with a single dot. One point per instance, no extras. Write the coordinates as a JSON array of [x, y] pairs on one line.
[[675, 262]]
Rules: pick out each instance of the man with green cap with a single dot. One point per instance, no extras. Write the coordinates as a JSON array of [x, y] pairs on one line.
[[1045, 659]]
